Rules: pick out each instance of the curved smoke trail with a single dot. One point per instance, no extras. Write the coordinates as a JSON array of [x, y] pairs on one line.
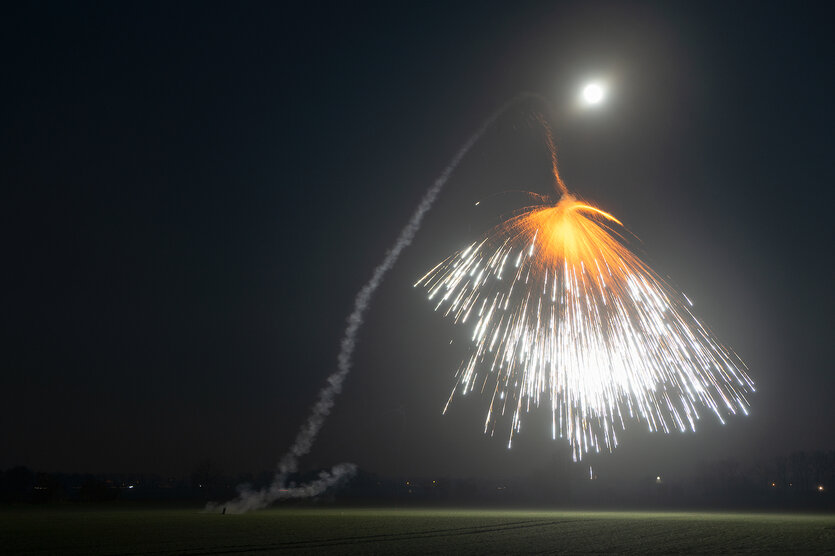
[[249, 499]]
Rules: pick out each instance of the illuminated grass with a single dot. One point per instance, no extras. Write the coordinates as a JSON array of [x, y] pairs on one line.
[[75, 530]]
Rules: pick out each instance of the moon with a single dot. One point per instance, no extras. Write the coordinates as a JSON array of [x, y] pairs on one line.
[[593, 93]]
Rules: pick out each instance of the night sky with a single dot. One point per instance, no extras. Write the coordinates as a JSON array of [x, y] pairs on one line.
[[192, 195]]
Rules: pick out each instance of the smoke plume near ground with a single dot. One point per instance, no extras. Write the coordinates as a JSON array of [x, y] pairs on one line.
[[249, 499]]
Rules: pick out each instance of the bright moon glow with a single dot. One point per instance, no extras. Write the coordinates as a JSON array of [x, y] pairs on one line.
[[593, 93]]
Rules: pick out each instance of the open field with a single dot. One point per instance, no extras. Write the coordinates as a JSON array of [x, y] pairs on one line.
[[137, 530]]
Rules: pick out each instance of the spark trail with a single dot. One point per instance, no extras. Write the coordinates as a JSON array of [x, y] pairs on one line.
[[564, 315], [249, 499]]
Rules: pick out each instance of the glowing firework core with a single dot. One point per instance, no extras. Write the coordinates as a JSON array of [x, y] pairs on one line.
[[563, 314]]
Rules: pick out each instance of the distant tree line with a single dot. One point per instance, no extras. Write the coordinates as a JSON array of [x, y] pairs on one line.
[[801, 480]]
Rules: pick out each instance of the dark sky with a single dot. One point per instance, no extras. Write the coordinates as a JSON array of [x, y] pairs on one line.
[[193, 194]]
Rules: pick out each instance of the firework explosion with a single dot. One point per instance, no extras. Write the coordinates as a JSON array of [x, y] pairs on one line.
[[564, 315]]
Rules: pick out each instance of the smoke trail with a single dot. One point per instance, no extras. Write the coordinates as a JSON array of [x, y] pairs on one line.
[[289, 463], [249, 499]]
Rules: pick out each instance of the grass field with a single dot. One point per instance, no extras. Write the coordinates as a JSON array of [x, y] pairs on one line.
[[126, 530]]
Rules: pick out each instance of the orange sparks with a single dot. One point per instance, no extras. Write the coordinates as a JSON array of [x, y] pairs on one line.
[[572, 233]]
